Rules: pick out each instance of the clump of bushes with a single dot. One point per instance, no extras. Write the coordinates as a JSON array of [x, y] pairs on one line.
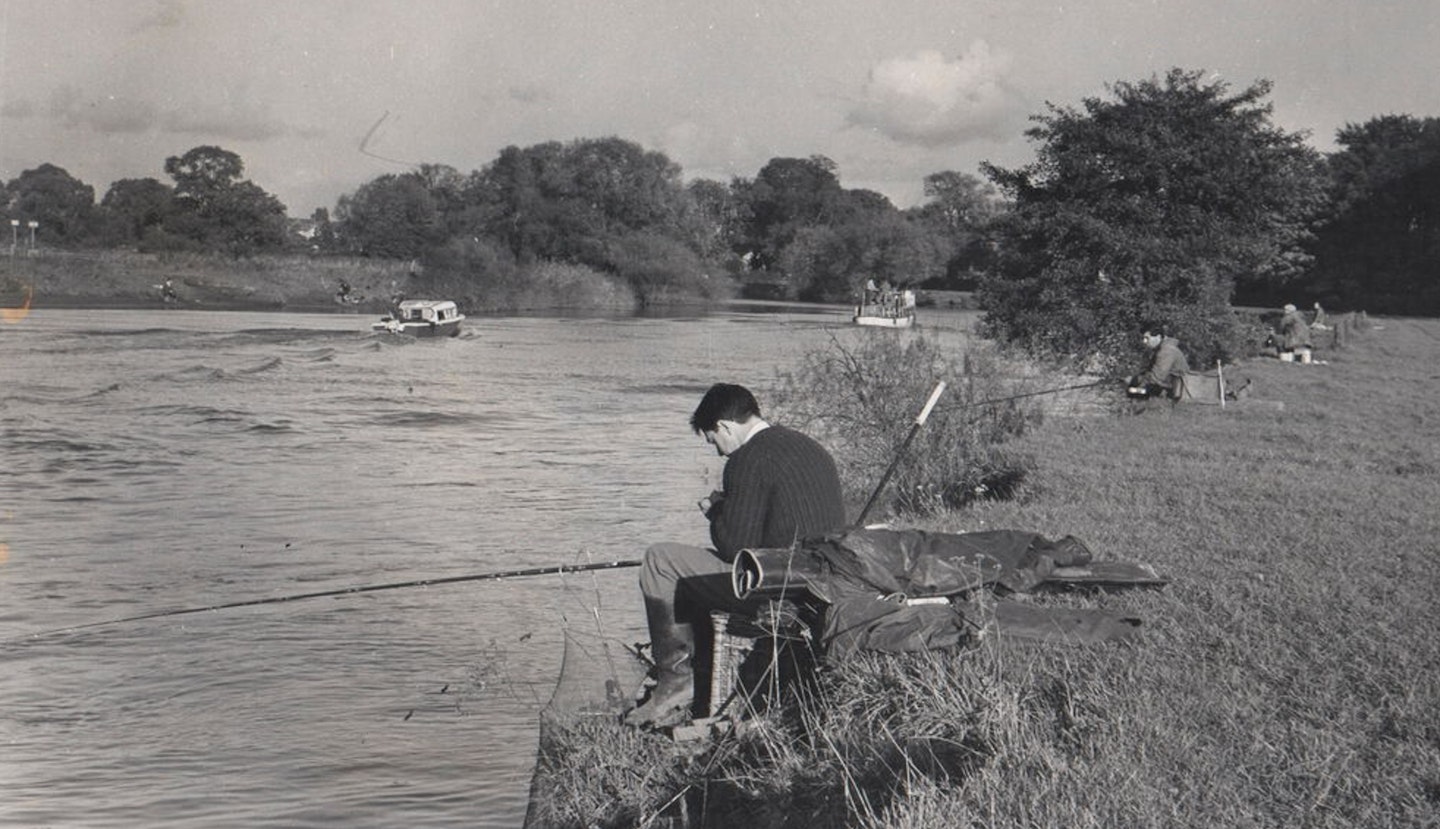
[[481, 276], [663, 271], [860, 397]]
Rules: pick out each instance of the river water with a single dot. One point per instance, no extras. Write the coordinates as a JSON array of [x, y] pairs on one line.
[[160, 460]]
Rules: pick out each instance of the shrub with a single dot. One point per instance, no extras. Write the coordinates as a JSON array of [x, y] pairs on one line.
[[663, 271], [860, 398], [482, 276]]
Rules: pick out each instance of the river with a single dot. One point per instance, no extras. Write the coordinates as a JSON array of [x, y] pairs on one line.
[[161, 460]]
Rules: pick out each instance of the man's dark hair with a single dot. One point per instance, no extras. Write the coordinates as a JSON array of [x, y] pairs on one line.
[[724, 401], [1154, 327]]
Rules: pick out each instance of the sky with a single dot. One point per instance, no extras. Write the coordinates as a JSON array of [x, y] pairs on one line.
[[320, 96]]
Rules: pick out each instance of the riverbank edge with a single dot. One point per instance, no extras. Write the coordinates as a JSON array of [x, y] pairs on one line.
[[118, 280]]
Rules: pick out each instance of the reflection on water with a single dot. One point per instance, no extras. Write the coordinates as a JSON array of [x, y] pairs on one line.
[[163, 460]]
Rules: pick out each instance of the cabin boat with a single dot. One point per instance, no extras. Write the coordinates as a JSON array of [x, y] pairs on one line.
[[422, 318], [886, 309]]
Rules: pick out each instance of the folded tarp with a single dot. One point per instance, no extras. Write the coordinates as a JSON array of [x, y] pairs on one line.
[[892, 590]]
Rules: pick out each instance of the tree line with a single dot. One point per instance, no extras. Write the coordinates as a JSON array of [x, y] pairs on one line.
[[1171, 198], [209, 208]]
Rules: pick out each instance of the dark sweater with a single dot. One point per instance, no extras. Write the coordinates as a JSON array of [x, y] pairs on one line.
[[780, 487]]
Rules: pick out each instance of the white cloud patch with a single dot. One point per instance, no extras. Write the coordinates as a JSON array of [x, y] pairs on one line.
[[934, 101]]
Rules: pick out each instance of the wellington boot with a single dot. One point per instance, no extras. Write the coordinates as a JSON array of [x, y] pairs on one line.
[[672, 644], [668, 705]]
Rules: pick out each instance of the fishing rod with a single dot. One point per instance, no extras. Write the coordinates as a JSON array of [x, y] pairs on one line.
[[975, 403], [900, 453], [925, 414], [346, 591]]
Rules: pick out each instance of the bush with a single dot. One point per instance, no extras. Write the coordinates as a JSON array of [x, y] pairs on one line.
[[480, 275], [663, 271], [860, 398]]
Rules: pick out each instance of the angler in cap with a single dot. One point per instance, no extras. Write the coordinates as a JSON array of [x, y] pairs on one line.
[[1167, 366], [1294, 336], [780, 486]]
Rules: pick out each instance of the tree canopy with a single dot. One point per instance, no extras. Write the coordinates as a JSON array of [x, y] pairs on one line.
[[1151, 205], [138, 204], [59, 202], [216, 209], [1381, 247]]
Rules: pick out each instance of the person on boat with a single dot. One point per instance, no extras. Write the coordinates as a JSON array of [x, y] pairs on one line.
[[1167, 366], [780, 486], [1294, 336]]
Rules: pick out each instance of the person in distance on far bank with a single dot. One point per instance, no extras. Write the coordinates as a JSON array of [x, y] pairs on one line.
[[1295, 336], [780, 486]]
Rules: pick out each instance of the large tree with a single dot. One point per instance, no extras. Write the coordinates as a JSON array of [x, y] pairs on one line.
[[61, 204], [958, 210], [1381, 249], [787, 196], [135, 208], [575, 202], [391, 216], [713, 218], [217, 209], [1150, 205]]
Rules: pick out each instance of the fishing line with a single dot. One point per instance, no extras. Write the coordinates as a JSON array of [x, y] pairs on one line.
[[960, 406], [346, 591]]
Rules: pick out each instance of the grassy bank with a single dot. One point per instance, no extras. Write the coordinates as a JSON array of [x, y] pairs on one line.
[[1286, 678], [60, 279]]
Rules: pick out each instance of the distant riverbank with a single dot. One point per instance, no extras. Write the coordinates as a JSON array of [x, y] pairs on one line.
[[58, 279], [317, 284]]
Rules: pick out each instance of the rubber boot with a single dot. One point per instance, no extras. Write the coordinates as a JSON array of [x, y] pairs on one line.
[[673, 645]]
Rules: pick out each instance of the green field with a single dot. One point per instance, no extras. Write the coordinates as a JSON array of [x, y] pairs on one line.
[[1289, 676]]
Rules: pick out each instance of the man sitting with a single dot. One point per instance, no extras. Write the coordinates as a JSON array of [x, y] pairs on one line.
[[1167, 367], [780, 486], [1295, 342]]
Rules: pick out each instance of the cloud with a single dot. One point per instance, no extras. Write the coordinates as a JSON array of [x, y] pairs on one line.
[[933, 101], [116, 115]]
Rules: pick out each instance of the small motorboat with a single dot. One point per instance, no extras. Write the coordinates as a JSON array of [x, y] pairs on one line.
[[422, 318], [886, 309]]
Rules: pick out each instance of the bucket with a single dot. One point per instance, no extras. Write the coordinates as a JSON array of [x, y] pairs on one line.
[[1304, 356]]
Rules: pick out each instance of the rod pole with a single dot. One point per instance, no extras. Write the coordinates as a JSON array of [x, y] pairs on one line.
[[900, 453], [365, 588]]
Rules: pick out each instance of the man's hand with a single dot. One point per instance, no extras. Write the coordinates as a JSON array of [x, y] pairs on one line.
[[710, 502]]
